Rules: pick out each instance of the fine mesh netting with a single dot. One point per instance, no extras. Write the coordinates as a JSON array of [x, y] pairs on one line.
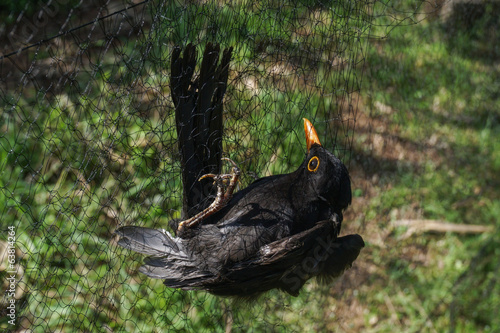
[[88, 143]]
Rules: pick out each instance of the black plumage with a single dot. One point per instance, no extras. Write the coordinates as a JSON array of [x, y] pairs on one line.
[[277, 233]]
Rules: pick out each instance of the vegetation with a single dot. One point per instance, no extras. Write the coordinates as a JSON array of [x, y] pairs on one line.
[[79, 161]]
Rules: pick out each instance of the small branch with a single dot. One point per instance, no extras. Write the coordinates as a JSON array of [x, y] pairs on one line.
[[420, 226]]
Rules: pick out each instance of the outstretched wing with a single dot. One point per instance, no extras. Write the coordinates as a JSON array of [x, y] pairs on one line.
[[148, 241], [168, 258]]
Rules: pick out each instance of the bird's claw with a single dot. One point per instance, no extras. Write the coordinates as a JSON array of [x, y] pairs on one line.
[[221, 199]]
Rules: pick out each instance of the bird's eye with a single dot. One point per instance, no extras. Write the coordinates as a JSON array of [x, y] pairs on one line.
[[313, 164]]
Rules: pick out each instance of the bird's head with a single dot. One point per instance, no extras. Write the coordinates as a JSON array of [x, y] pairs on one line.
[[326, 177]]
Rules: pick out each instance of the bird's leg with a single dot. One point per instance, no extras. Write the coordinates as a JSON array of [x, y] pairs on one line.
[[221, 199]]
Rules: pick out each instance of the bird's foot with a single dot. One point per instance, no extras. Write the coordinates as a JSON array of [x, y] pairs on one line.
[[222, 198]]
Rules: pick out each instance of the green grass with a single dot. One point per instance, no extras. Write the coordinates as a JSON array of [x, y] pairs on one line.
[[75, 166], [444, 107]]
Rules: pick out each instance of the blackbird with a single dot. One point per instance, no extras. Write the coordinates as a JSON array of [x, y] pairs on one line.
[[278, 232]]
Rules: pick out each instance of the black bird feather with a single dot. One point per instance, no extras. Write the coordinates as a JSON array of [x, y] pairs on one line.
[[278, 232]]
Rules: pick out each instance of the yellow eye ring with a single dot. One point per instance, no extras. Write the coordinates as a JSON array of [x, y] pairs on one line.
[[313, 164]]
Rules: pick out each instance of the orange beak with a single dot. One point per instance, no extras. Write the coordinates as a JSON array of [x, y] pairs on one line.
[[311, 135]]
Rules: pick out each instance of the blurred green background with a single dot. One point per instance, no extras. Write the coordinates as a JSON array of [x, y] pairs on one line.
[[406, 93]]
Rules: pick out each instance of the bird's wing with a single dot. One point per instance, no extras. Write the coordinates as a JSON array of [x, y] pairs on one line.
[[176, 273], [168, 259], [150, 242], [289, 262]]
